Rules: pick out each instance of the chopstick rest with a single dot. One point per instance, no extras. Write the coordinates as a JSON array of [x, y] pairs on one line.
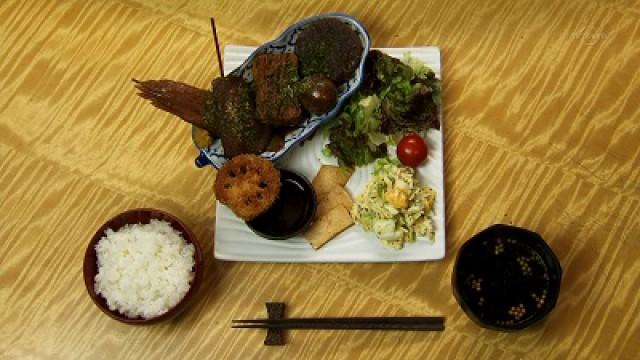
[[275, 336], [276, 323]]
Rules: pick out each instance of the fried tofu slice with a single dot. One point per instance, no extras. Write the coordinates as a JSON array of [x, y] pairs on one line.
[[329, 226], [338, 196], [334, 204], [328, 178]]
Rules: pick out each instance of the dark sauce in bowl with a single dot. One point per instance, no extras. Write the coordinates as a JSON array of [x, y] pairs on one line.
[[292, 211]]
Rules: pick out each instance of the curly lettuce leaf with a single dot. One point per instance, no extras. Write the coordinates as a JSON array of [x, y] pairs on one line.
[[395, 98], [350, 133]]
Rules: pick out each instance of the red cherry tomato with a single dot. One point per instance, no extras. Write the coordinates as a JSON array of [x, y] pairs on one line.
[[412, 150]]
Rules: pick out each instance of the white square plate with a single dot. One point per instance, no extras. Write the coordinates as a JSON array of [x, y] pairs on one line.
[[234, 241]]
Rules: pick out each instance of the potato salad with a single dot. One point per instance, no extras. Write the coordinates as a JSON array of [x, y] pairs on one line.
[[395, 206]]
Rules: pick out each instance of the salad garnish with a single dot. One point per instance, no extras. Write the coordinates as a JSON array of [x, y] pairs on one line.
[[395, 206], [395, 97]]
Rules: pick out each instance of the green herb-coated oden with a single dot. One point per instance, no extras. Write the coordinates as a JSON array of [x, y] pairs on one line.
[[330, 48], [231, 113]]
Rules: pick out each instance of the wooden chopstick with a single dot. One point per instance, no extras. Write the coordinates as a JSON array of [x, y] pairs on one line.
[[405, 319], [215, 40], [353, 323], [346, 326]]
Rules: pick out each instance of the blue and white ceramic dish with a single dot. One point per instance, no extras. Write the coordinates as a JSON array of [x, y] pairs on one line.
[[285, 43]]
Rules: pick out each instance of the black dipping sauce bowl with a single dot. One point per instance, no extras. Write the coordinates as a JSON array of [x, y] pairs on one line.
[[506, 278], [291, 213]]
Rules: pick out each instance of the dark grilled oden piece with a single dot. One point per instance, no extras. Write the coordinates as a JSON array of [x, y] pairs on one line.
[[230, 113], [227, 112], [329, 47], [275, 77]]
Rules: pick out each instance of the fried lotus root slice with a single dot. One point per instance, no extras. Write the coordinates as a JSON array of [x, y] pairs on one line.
[[248, 185]]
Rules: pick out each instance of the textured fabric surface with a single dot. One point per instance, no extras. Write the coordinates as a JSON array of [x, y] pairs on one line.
[[542, 130]]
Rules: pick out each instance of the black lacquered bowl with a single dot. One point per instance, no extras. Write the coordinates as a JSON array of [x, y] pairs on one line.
[[140, 216], [506, 278], [291, 213]]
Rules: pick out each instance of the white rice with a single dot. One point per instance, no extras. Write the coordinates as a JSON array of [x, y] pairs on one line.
[[144, 269]]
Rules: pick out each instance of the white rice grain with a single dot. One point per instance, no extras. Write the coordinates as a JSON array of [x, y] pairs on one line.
[[144, 269]]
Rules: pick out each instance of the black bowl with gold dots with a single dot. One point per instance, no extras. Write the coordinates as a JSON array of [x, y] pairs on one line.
[[506, 278]]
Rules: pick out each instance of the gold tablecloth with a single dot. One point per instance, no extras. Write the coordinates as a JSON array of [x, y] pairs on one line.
[[541, 126]]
